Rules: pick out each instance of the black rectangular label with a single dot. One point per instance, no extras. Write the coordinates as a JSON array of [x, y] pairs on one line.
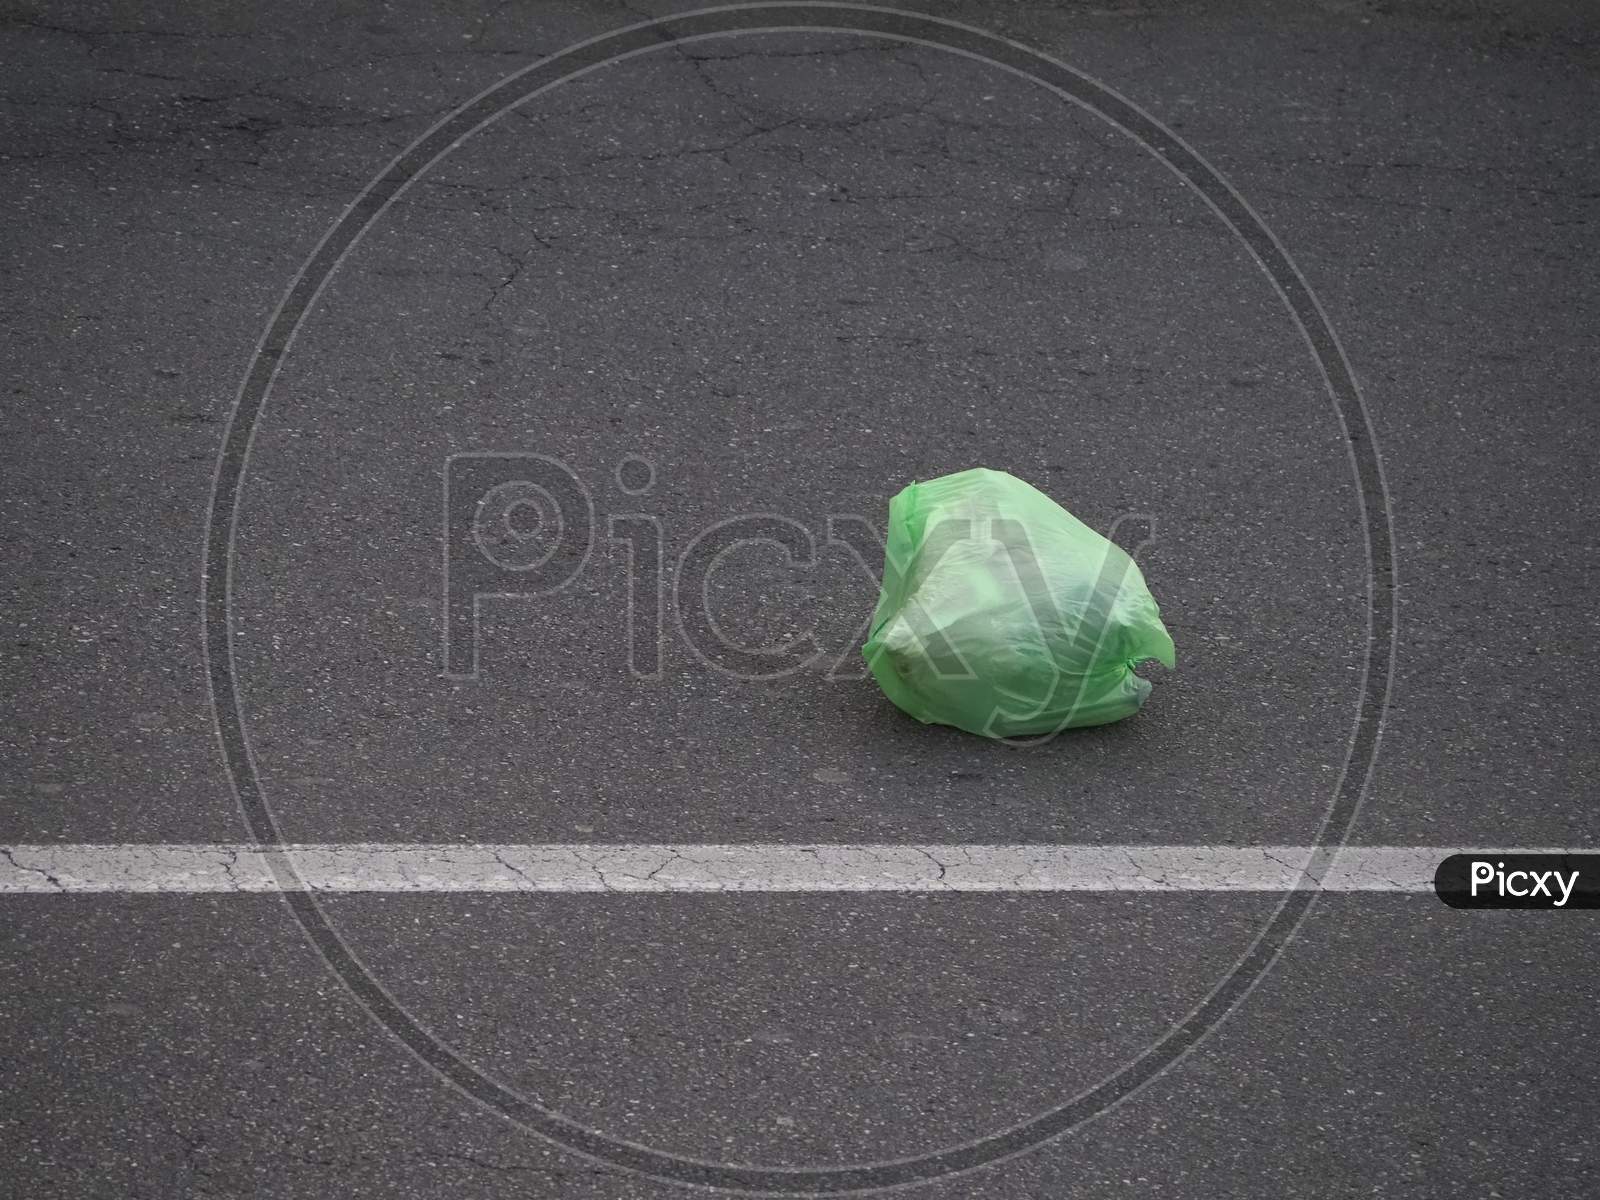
[[1493, 880]]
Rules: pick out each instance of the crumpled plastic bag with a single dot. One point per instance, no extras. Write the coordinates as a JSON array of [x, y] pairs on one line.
[[1004, 615]]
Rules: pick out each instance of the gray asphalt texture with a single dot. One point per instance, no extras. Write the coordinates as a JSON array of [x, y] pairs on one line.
[[794, 272]]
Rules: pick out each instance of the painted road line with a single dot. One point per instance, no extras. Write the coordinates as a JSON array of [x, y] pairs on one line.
[[785, 867]]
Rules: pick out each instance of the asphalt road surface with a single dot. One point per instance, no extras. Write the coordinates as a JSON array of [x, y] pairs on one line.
[[742, 285]]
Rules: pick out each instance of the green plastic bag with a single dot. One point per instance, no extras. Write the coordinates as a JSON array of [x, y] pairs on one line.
[[1004, 615]]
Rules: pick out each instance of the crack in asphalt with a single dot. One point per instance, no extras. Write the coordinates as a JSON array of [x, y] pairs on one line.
[[40, 871]]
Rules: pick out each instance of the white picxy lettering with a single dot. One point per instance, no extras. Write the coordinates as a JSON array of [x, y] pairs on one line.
[[1510, 883]]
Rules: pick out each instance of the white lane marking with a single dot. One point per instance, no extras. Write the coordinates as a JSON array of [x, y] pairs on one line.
[[750, 867]]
